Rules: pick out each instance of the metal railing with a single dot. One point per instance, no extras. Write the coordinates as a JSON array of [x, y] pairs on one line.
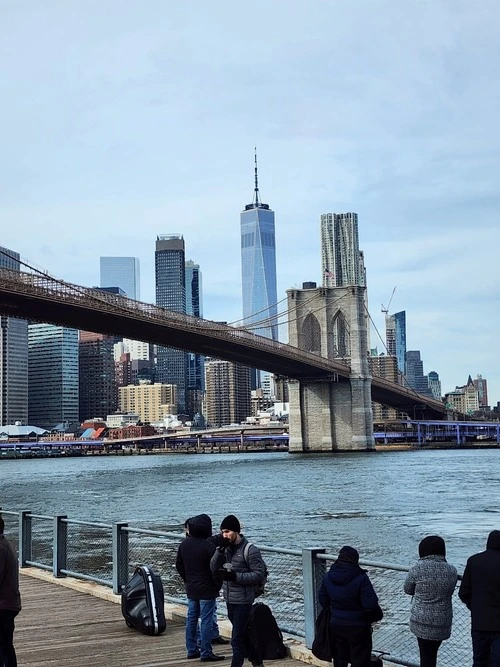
[[107, 553]]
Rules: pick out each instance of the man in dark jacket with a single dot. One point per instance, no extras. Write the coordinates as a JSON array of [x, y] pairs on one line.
[[193, 565], [239, 575], [480, 591], [10, 599], [353, 607]]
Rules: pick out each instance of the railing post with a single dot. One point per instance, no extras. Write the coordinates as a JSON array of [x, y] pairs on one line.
[[120, 556], [59, 545], [313, 571], [25, 541]]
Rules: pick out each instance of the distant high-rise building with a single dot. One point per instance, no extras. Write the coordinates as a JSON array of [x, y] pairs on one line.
[[98, 396], [341, 260], [258, 266], [170, 274], [53, 375], [415, 373], [151, 402], [395, 335], [384, 366], [13, 358], [435, 385], [481, 385], [195, 362], [121, 272], [228, 395]]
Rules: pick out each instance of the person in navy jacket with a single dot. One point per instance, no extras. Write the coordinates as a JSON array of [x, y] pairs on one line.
[[353, 607]]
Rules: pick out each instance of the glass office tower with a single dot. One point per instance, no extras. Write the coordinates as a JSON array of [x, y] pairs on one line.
[[13, 358], [53, 373], [170, 277], [121, 272], [395, 338], [258, 266], [195, 362]]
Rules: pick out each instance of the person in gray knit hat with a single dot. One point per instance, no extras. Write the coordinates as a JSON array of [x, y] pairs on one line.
[[431, 581]]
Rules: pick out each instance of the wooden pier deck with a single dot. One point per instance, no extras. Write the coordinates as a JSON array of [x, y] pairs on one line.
[[68, 628]]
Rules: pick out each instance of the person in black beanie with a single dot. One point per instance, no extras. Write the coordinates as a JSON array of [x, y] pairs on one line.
[[353, 608], [239, 576], [431, 581]]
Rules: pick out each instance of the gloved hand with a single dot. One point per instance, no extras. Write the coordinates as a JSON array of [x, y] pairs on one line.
[[220, 541], [227, 575]]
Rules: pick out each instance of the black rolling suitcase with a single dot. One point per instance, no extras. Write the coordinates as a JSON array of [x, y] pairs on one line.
[[142, 602]]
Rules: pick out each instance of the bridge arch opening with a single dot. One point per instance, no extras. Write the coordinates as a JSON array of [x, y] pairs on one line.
[[311, 334], [339, 338]]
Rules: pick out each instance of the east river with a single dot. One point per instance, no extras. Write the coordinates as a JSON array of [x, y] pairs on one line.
[[382, 503]]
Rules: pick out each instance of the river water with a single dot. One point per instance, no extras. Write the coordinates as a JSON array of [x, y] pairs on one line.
[[382, 503]]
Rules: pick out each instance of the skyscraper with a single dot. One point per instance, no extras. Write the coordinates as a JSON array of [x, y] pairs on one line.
[[415, 373], [170, 276], [395, 337], [98, 396], [53, 373], [435, 385], [342, 263], [228, 392], [481, 385], [13, 358], [121, 272], [195, 362], [258, 266]]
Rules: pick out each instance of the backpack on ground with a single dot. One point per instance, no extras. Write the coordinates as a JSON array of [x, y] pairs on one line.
[[258, 589], [264, 638], [143, 602]]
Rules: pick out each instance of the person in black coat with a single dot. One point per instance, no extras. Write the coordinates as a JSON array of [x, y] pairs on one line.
[[193, 565], [480, 591], [353, 607]]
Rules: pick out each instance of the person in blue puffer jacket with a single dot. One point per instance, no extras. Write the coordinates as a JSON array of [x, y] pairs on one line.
[[353, 606]]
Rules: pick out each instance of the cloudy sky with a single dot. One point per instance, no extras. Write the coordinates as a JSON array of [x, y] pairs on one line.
[[123, 119]]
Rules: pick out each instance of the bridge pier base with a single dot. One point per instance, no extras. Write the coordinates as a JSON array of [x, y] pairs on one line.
[[331, 416]]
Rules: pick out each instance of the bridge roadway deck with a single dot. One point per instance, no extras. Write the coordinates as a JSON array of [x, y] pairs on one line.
[[64, 627]]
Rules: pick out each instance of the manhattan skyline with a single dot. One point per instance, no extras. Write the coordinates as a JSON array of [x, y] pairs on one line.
[[124, 126]]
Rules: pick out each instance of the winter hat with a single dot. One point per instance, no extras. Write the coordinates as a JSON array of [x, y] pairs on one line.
[[230, 523], [433, 545], [493, 540], [348, 555]]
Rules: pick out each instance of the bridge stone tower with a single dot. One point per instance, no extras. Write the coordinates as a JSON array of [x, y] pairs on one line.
[[333, 414]]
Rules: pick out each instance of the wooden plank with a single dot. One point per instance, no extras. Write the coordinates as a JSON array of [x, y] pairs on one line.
[[63, 627]]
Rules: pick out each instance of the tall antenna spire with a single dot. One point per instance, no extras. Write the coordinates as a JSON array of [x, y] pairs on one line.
[[256, 189]]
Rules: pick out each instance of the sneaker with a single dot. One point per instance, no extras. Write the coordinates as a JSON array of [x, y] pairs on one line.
[[220, 640], [213, 658], [192, 656]]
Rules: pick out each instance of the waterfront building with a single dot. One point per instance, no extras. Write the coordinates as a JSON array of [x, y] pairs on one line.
[[395, 337], [465, 398], [150, 401], [170, 278], [435, 385], [131, 371], [97, 391], [121, 419], [53, 375], [13, 357], [195, 362], [342, 263], [481, 385], [227, 387], [415, 377], [121, 272], [384, 366]]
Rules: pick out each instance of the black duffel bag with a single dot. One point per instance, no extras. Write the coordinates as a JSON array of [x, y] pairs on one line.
[[143, 602], [322, 647]]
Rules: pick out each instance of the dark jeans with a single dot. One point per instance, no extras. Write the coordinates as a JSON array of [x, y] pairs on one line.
[[7, 653], [238, 615], [485, 648], [428, 652], [352, 645]]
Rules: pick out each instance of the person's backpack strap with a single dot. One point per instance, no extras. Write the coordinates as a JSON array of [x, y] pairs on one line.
[[246, 551]]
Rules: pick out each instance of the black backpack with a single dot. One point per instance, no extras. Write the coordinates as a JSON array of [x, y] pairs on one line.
[[263, 634], [142, 602]]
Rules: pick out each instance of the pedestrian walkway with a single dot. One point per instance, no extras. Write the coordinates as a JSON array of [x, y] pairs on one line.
[[64, 627]]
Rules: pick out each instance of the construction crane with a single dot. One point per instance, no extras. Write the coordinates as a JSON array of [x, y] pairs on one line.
[[383, 308]]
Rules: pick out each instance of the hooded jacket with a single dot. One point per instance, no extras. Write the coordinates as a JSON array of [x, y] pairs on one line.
[[480, 587], [349, 592], [432, 582], [193, 560], [10, 599]]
